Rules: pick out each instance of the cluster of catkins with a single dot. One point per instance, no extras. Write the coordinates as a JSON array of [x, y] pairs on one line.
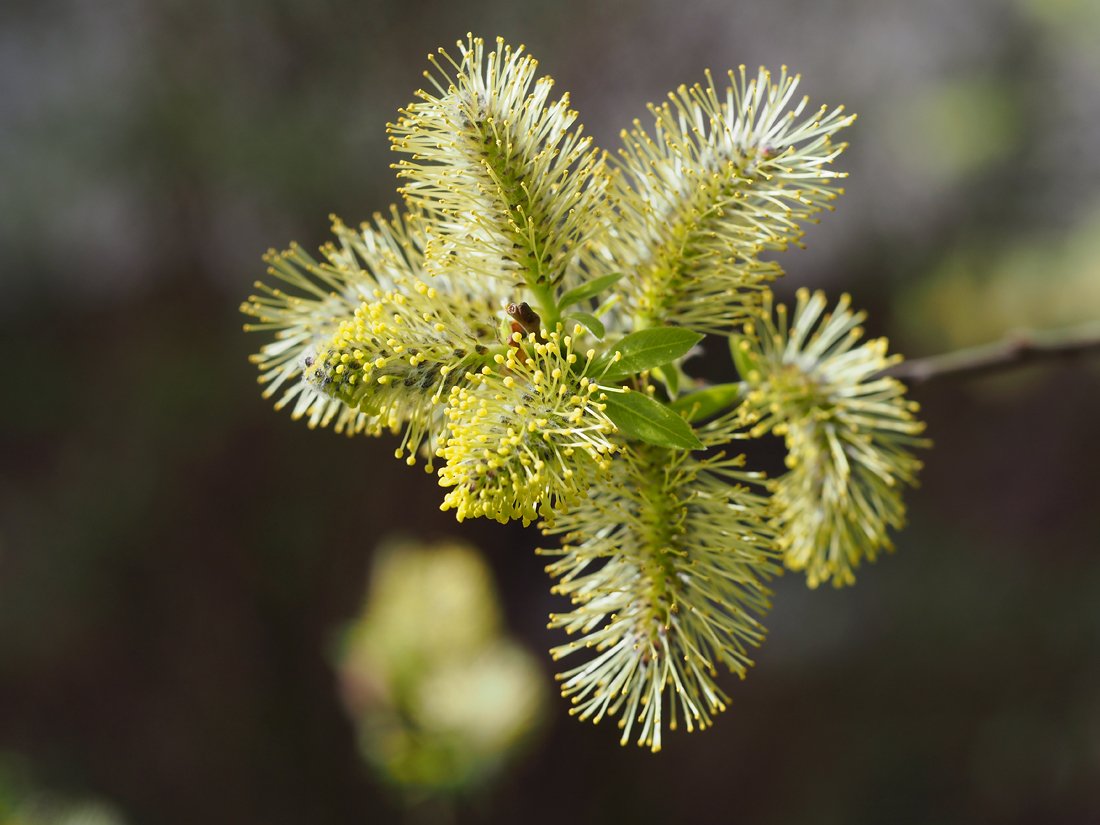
[[521, 322]]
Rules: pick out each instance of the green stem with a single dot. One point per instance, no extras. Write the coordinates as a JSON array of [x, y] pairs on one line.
[[547, 304]]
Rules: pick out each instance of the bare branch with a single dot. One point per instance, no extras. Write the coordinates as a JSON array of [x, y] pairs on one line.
[[1020, 347]]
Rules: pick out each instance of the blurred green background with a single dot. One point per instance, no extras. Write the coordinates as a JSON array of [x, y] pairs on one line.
[[177, 560]]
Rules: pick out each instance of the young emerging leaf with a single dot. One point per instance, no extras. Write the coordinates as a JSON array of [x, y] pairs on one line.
[[639, 416], [702, 404], [594, 324], [669, 375], [744, 359], [645, 350], [589, 290]]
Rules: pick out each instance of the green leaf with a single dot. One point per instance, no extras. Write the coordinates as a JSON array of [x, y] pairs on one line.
[[590, 321], [743, 357], [639, 416], [588, 290], [709, 402], [648, 349], [668, 375]]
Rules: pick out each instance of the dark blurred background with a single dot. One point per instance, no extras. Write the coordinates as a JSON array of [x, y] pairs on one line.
[[176, 558]]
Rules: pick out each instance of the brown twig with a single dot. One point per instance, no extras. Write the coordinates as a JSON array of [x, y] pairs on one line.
[[1022, 347]]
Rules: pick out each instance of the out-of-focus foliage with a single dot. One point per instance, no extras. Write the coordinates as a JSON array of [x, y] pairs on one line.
[[1077, 20], [23, 802], [980, 291], [442, 699], [952, 131]]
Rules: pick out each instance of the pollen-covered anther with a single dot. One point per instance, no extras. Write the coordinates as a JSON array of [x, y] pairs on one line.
[[547, 444]]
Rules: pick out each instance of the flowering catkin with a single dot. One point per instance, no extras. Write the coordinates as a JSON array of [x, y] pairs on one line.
[[848, 429], [522, 327]]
